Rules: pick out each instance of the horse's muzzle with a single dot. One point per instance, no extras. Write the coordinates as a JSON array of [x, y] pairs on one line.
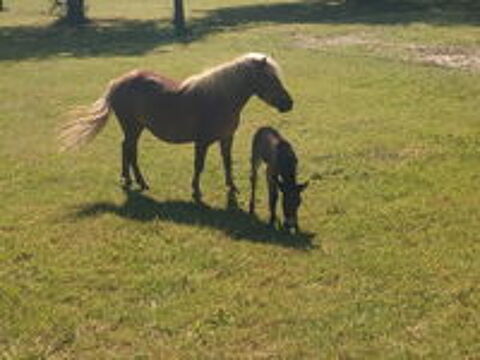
[[285, 106]]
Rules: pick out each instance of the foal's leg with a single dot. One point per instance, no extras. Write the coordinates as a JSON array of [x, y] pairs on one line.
[[272, 196], [254, 162], [226, 150], [199, 163]]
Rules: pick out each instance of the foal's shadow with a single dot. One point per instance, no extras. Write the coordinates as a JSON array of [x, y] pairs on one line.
[[232, 221]]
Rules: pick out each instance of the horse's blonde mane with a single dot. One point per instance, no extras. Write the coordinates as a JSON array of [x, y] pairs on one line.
[[227, 75]]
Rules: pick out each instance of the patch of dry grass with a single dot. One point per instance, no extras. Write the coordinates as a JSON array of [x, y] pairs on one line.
[[449, 56]]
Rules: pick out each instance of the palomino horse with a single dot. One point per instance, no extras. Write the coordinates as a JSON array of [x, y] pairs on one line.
[[202, 109], [270, 147]]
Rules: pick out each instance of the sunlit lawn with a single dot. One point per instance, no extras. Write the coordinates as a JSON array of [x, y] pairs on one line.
[[388, 265]]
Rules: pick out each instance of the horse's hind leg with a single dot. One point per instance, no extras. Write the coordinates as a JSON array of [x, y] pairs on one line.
[[134, 163], [132, 131]]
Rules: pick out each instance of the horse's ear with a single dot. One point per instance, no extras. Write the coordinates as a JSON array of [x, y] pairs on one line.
[[263, 61], [303, 186]]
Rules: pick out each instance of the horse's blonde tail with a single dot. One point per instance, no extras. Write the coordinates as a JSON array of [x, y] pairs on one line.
[[86, 123]]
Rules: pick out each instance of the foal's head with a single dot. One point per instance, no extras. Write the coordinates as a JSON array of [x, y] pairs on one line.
[[291, 202], [267, 84]]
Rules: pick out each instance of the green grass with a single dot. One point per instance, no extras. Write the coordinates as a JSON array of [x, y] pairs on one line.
[[390, 269]]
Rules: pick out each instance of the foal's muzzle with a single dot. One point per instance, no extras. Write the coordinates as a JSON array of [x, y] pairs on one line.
[[291, 225]]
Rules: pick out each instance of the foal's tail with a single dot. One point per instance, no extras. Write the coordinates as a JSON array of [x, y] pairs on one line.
[[86, 122]]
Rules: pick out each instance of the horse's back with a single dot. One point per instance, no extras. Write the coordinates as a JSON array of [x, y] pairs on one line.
[[157, 103], [146, 83]]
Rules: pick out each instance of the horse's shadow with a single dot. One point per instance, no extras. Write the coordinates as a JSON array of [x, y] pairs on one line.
[[234, 222]]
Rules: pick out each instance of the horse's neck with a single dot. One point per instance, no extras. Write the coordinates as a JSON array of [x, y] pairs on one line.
[[230, 90]]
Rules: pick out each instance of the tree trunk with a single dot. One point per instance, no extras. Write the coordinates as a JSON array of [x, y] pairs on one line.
[[76, 12], [179, 17], [1, 5]]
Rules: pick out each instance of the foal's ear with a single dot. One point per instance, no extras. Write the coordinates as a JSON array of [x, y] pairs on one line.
[[303, 186]]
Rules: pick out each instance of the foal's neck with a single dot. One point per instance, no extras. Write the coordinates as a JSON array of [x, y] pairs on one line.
[[286, 162]]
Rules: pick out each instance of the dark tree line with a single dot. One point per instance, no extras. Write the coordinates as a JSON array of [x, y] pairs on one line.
[[73, 12], [415, 3], [178, 17]]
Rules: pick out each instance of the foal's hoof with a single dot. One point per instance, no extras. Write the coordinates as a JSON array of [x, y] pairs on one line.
[[292, 230], [144, 187]]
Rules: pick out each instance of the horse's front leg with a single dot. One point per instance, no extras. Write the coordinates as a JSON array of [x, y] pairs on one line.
[[226, 151], [199, 163]]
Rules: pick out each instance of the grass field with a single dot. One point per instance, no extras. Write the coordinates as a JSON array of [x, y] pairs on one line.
[[386, 126]]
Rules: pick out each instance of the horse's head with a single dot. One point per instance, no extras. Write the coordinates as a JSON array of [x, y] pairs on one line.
[[291, 202], [267, 84]]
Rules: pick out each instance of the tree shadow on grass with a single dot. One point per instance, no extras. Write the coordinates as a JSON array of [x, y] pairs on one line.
[[232, 221], [331, 11], [114, 37]]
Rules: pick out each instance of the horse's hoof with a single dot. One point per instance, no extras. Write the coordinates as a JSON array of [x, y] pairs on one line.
[[273, 223], [125, 184], [233, 189], [197, 197]]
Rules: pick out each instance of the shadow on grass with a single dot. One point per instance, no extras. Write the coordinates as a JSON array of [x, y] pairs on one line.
[[135, 37], [103, 38], [327, 11], [232, 221]]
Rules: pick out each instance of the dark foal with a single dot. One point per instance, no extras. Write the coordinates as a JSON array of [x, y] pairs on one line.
[[270, 147]]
